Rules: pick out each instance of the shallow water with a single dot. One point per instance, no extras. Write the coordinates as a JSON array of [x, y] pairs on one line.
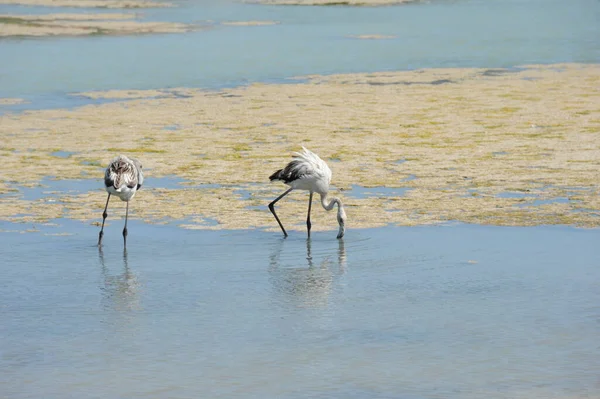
[[423, 312], [49, 188], [308, 40]]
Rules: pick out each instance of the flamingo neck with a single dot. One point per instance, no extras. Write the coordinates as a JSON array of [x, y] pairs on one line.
[[328, 204]]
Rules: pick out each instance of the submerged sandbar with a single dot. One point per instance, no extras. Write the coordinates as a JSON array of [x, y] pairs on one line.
[[363, 3], [250, 23], [84, 24], [11, 101], [89, 3], [492, 146]]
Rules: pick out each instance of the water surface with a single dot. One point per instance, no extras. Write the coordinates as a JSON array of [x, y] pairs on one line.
[[308, 40], [423, 312]]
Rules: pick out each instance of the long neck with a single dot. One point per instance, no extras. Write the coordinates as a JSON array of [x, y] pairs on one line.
[[328, 204]]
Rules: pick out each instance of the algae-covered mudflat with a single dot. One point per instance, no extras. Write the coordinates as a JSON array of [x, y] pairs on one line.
[[490, 146]]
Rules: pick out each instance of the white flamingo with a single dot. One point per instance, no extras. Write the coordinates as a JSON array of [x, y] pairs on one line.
[[123, 178], [308, 172]]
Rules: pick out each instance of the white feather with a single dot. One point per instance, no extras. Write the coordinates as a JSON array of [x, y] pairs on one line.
[[307, 171]]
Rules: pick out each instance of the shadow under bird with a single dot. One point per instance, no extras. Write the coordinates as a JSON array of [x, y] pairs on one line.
[[308, 172], [123, 178]]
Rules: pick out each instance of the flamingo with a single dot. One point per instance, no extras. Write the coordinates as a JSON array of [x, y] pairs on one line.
[[308, 172], [123, 178]]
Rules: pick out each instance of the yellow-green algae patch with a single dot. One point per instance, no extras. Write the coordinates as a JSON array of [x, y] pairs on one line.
[[84, 24], [473, 145]]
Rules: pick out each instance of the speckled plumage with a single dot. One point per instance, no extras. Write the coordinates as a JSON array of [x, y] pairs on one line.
[[123, 177]]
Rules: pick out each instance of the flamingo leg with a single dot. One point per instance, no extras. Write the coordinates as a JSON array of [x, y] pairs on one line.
[[272, 209], [104, 215], [125, 228], [308, 224]]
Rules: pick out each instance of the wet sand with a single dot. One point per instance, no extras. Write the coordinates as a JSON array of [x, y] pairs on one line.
[[487, 146], [84, 24]]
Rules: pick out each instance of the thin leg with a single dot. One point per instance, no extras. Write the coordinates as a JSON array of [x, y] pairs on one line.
[[104, 215], [272, 208], [308, 217], [125, 228]]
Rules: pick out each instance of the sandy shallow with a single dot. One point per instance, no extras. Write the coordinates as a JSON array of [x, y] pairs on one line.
[[333, 2], [84, 24], [372, 37], [11, 101], [90, 3], [489, 146], [250, 23]]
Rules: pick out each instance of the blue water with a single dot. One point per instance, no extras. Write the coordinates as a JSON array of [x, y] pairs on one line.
[[482, 33], [428, 312]]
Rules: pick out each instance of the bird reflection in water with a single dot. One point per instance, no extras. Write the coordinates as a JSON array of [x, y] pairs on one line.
[[303, 286], [119, 292]]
